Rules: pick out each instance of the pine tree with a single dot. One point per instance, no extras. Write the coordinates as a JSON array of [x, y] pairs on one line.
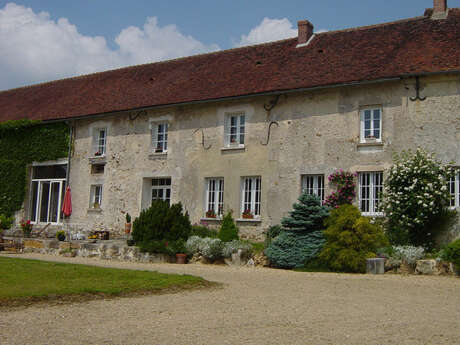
[[228, 230], [308, 215]]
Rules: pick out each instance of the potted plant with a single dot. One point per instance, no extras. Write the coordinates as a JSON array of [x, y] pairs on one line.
[[128, 224], [247, 214], [96, 205], [60, 235], [179, 249], [210, 214], [97, 154], [26, 227]]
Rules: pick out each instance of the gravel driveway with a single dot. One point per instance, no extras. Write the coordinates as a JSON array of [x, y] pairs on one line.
[[255, 306]]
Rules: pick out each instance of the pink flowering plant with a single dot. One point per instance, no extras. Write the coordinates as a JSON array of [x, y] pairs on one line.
[[345, 183], [26, 227]]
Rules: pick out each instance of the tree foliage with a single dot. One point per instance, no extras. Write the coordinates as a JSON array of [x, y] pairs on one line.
[[228, 230]]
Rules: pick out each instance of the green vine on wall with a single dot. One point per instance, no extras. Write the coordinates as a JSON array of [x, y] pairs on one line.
[[21, 143]]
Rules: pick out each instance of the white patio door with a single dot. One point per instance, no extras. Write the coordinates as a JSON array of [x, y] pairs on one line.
[[47, 197]]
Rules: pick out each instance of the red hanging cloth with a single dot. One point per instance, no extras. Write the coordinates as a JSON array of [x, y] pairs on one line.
[[67, 204]]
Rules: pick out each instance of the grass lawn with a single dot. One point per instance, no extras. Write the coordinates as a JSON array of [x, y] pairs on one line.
[[25, 281]]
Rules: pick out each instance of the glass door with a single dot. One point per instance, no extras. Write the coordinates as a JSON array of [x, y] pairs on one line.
[[47, 197]]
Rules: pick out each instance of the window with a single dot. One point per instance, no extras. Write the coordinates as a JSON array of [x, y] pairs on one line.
[[101, 141], [371, 125], [251, 196], [370, 190], [454, 190], [313, 184], [214, 197], [47, 193], [160, 137], [234, 129], [161, 189], [96, 196], [97, 168]]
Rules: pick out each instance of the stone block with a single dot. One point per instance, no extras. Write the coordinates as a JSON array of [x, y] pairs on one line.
[[64, 245], [75, 245], [427, 267], [29, 243], [375, 266], [52, 244]]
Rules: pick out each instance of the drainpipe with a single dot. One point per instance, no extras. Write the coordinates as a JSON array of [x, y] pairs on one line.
[[71, 124]]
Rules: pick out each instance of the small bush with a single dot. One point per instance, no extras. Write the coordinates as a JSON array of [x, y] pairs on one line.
[[292, 249], [452, 253], [211, 248], [192, 246], [271, 233], [228, 230], [234, 246], [351, 239], [408, 254], [60, 235], [5, 222], [203, 231], [161, 222]]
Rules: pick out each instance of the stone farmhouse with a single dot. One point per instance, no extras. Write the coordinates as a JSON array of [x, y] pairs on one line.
[[248, 129]]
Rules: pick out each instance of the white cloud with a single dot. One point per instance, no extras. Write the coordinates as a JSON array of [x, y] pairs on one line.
[[268, 30], [35, 48]]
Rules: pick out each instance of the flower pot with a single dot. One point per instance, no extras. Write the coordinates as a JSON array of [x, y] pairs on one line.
[[127, 228], [248, 216], [180, 258]]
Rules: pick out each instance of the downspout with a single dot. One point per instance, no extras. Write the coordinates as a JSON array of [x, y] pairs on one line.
[[67, 177]]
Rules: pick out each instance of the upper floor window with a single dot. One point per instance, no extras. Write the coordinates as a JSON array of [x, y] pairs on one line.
[[160, 137], [251, 197], [214, 197], [313, 184], [235, 129], [100, 142], [161, 189], [371, 125], [370, 192], [454, 190]]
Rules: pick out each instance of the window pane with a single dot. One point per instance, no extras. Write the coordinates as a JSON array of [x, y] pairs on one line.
[[34, 194]]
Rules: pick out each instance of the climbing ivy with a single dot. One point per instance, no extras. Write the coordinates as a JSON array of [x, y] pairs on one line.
[[21, 143]]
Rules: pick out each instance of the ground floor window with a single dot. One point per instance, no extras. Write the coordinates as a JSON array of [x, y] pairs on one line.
[[214, 197], [96, 196], [161, 189], [454, 190], [313, 184], [370, 190], [251, 196]]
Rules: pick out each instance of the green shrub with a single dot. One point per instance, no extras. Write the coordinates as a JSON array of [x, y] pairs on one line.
[[452, 253], [350, 240], [203, 231], [271, 233], [228, 230], [211, 248], [235, 245], [161, 222], [5, 222], [60, 235], [293, 249]]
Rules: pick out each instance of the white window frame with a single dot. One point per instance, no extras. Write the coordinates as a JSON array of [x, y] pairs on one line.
[[372, 129], [251, 196], [239, 126], [454, 190], [96, 195], [160, 145], [375, 188], [61, 182], [215, 196], [164, 188], [100, 144], [313, 184]]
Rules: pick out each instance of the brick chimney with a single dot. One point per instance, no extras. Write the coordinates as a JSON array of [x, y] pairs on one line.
[[305, 31], [439, 6]]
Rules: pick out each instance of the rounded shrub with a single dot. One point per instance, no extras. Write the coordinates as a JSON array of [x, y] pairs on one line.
[[452, 253], [350, 240], [211, 248], [236, 245]]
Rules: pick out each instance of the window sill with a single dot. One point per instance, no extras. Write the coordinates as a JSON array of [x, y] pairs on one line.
[[97, 159], [158, 155], [233, 148], [217, 219], [371, 143], [249, 220], [94, 210], [368, 214]]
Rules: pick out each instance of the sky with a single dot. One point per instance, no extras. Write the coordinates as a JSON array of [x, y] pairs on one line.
[[43, 40]]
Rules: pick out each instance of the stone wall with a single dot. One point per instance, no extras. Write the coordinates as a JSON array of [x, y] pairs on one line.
[[317, 133]]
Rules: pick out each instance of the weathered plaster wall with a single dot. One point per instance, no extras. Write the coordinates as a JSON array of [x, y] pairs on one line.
[[318, 132]]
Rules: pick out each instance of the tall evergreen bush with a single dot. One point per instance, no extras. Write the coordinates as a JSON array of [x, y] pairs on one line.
[[228, 230], [301, 237]]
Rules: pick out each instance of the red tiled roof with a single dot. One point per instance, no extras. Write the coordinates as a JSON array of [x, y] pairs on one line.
[[414, 46]]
